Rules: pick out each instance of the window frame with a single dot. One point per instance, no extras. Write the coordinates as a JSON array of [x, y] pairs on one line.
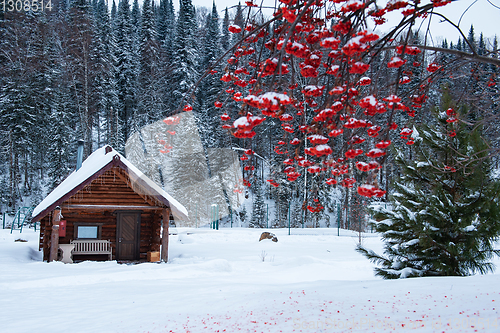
[[83, 224]]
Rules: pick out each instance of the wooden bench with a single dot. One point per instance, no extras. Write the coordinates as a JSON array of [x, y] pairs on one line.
[[92, 246]]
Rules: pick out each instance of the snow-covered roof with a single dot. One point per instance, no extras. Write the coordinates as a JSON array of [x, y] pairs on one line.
[[98, 160]]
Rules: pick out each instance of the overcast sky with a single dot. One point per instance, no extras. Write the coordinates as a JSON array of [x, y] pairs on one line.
[[482, 14]]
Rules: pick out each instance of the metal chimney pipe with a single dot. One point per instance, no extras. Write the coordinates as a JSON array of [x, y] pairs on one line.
[[79, 154]]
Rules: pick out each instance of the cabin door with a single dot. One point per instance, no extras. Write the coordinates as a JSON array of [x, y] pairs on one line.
[[128, 225]]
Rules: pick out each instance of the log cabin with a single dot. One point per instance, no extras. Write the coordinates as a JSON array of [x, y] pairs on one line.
[[106, 209]]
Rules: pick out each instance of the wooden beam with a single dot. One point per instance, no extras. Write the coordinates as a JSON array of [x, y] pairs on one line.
[[54, 235], [112, 207], [164, 235]]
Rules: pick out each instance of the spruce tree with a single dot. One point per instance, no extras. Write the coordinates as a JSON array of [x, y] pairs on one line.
[[445, 215], [166, 34], [135, 17], [170, 24], [209, 118], [162, 23], [135, 121], [226, 35], [126, 75], [113, 14], [150, 84], [296, 217], [61, 134], [258, 219], [185, 53], [471, 38], [80, 52], [106, 96], [481, 47], [243, 215], [239, 21]]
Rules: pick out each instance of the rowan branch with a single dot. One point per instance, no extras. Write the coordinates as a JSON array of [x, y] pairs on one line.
[[461, 54]]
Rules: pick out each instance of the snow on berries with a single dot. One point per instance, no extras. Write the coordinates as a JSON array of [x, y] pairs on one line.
[[244, 126], [358, 68], [396, 62], [330, 42], [383, 144], [269, 100], [318, 151], [433, 67], [376, 152], [338, 90], [365, 81], [313, 90], [235, 29], [317, 139], [369, 191], [354, 46]]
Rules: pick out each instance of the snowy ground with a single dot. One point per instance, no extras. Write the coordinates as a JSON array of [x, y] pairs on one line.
[[227, 281]]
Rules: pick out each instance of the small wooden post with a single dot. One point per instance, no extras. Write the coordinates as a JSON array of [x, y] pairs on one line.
[[164, 235], [54, 235]]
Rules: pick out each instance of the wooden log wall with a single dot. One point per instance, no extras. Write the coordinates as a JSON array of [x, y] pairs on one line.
[[108, 189]]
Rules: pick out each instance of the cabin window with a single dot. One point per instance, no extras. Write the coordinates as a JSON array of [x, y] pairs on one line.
[[87, 232]]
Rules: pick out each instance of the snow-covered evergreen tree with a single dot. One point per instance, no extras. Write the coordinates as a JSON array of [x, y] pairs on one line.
[[126, 75], [106, 96], [258, 219], [185, 56], [243, 215], [471, 38], [169, 25], [445, 215], [166, 34], [226, 35], [113, 14], [135, 18], [150, 81], [209, 119], [60, 153], [80, 52], [161, 23], [297, 213], [239, 21]]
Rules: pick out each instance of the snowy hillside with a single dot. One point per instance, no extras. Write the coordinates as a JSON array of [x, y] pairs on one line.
[[228, 281]]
